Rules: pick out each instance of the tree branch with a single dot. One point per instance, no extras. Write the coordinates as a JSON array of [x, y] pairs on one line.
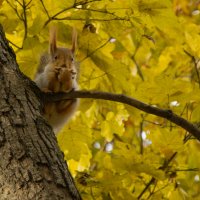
[[46, 11], [24, 7], [22, 17], [81, 3], [195, 61], [94, 51], [167, 114]]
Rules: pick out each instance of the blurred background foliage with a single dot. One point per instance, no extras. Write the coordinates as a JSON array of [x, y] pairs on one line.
[[147, 49]]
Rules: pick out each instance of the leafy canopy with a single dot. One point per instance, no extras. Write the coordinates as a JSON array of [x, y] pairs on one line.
[[147, 49]]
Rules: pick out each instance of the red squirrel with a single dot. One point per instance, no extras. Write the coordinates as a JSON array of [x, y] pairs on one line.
[[57, 72]]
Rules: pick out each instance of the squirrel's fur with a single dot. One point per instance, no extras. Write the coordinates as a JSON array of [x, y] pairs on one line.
[[57, 72]]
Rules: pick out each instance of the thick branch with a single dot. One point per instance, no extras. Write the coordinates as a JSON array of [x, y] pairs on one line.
[[167, 114]]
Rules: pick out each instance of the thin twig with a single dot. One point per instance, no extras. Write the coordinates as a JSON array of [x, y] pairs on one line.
[[22, 17], [195, 61], [155, 123], [141, 138], [152, 180], [15, 9], [24, 6], [91, 19], [45, 9], [28, 3], [68, 8], [54, 16], [91, 53], [134, 60], [153, 191], [138, 68], [19, 3], [161, 188], [103, 11], [186, 170], [14, 44]]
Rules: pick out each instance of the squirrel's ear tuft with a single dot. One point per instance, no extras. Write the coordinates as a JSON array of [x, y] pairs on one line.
[[74, 40], [52, 41]]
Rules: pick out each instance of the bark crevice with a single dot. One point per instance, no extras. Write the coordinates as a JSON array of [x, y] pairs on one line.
[[31, 164]]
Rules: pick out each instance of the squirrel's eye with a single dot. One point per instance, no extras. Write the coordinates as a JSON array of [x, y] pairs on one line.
[[56, 57], [72, 59]]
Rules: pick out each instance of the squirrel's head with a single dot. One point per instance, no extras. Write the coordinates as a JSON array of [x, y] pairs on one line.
[[63, 57]]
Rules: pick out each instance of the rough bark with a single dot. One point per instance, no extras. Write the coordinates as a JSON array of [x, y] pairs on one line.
[[31, 164]]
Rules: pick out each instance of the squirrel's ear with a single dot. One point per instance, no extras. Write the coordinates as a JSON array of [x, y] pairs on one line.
[[52, 41], [74, 40]]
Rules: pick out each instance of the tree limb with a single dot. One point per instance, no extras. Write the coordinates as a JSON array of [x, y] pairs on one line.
[[167, 114]]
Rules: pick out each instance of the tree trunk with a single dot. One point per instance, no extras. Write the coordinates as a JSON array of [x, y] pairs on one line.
[[31, 164]]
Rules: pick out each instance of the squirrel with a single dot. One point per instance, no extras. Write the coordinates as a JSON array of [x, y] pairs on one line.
[[57, 72]]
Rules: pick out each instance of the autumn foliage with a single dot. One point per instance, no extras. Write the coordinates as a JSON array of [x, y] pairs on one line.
[[146, 49]]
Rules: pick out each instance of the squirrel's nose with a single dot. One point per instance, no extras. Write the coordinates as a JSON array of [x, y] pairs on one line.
[[63, 66]]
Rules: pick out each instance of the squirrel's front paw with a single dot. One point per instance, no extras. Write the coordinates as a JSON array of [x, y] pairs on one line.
[[46, 90]]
